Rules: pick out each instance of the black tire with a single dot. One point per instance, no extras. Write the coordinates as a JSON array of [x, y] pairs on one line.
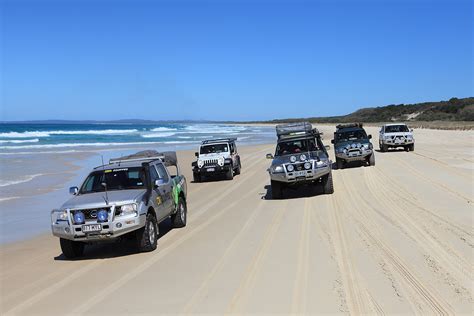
[[230, 174], [277, 190], [147, 237], [196, 177], [412, 147], [71, 249], [339, 163], [178, 219], [238, 169], [371, 160], [384, 148], [407, 148], [328, 187]]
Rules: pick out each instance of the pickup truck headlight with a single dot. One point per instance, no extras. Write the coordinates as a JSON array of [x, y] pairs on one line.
[[321, 164], [277, 169], [366, 146], [61, 215], [126, 209], [200, 163], [340, 150]]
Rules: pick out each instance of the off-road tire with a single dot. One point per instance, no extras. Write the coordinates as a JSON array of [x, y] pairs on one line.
[[147, 237], [407, 148], [384, 148], [71, 249], [196, 177], [230, 174], [339, 163], [328, 187], [411, 147], [179, 218], [371, 160], [277, 190], [239, 167]]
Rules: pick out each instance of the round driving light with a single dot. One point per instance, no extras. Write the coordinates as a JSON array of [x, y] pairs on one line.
[[102, 216], [79, 218], [303, 157], [118, 225], [307, 165], [67, 230], [293, 158], [290, 168]]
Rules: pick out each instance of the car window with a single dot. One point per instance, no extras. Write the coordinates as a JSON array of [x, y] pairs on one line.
[[162, 174], [153, 174], [396, 129], [214, 149]]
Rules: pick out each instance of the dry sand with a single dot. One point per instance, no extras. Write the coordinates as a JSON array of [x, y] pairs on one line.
[[394, 238]]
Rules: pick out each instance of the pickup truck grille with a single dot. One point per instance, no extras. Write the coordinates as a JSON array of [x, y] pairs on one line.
[[210, 162], [90, 214]]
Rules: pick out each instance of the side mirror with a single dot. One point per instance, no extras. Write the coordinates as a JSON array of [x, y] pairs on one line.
[[73, 190], [332, 141], [159, 182], [327, 147], [196, 154], [411, 130], [269, 156], [370, 136]]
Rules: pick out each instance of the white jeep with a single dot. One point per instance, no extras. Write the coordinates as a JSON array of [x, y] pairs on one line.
[[216, 157], [396, 135]]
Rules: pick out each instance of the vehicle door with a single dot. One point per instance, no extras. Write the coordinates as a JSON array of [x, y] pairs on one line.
[[157, 197], [165, 188]]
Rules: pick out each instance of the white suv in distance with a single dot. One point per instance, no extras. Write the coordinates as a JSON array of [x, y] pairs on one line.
[[396, 135]]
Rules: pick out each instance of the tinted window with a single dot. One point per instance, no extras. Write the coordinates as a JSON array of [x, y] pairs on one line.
[[350, 135], [162, 174], [296, 146], [396, 129], [214, 148], [115, 179]]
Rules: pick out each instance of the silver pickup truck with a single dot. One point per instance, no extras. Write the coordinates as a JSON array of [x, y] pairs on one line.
[[128, 196]]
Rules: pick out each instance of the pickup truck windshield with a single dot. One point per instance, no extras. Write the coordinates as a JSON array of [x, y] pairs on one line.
[[214, 149], [296, 146], [350, 135], [116, 179], [396, 129]]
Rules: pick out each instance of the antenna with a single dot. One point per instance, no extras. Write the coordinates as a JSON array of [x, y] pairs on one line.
[[105, 182]]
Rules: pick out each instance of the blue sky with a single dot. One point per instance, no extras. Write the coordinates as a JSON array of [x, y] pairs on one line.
[[229, 60]]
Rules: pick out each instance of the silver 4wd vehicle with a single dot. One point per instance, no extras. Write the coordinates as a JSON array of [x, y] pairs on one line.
[[129, 196], [300, 159], [216, 157], [396, 135], [351, 143]]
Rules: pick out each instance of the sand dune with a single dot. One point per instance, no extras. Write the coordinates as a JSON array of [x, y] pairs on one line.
[[394, 238]]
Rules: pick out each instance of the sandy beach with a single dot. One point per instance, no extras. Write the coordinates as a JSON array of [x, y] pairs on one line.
[[396, 238]]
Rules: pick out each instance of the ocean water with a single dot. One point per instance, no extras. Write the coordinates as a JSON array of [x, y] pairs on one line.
[[76, 137]]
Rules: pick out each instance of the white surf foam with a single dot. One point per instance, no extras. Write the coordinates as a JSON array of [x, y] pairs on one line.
[[29, 134], [5, 183], [163, 129], [19, 141], [158, 135]]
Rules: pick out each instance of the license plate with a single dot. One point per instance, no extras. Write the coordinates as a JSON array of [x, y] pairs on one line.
[[91, 228], [353, 154], [211, 169], [300, 173]]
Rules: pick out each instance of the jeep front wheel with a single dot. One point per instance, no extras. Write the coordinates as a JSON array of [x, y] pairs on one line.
[[239, 166], [71, 249], [277, 190], [230, 173], [147, 237]]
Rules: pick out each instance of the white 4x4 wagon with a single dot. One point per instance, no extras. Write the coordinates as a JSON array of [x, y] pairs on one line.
[[396, 135]]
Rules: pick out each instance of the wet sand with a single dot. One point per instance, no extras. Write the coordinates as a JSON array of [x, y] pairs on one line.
[[394, 238]]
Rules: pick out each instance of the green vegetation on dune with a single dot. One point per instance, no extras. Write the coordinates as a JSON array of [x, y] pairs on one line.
[[453, 110]]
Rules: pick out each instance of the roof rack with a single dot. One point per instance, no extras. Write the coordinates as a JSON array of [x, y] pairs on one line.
[[169, 158], [295, 129], [218, 140], [349, 125]]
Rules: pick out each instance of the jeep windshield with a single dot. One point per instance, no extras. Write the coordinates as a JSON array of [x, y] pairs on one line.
[[296, 146], [214, 149], [396, 129], [114, 179], [350, 135]]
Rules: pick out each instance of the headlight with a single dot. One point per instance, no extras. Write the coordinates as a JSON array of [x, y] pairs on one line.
[[293, 158], [307, 165], [200, 163], [366, 146], [321, 164], [303, 157], [220, 161], [61, 215], [340, 150], [386, 137], [290, 168], [127, 209], [277, 169]]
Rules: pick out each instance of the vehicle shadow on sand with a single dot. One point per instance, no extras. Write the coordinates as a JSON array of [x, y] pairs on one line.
[[115, 249], [304, 191]]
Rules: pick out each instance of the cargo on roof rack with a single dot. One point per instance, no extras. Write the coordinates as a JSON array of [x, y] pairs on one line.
[[218, 140], [349, 125], [295, 129], [169, 158]]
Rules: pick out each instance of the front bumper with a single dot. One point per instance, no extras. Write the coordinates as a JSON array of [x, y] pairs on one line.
[[111, 229], [398, 142], [212, 170], [305, 176], [356, 155]]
